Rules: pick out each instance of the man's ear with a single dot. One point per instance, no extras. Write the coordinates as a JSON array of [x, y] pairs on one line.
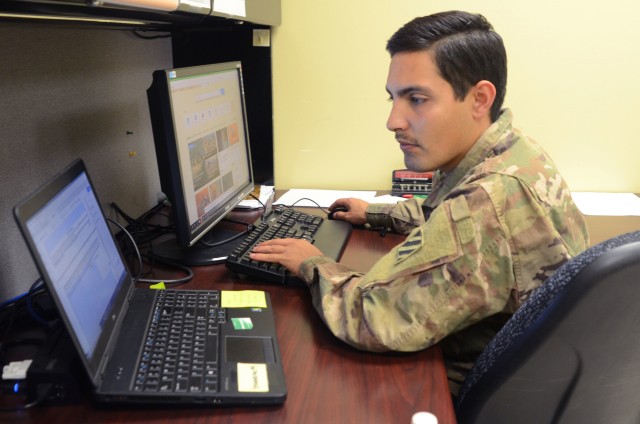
[[484, 95]]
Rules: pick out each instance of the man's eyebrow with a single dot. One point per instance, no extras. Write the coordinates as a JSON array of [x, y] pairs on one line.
[[408, 90]]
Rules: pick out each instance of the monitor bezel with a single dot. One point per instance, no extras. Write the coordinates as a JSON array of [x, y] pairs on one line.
[[166, 144]]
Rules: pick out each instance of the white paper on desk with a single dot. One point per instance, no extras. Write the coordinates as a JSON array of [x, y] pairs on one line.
[[203, 4], [609, 204], [389, 199], [265, 192], [232, 7], [322, 198]]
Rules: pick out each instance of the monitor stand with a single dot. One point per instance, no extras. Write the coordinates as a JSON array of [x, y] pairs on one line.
[[199, 254]]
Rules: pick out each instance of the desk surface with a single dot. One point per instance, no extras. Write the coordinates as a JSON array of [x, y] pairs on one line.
[[602, 228], [328, 381]]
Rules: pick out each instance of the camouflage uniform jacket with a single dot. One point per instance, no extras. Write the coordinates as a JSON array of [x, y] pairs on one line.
[[490, 232]]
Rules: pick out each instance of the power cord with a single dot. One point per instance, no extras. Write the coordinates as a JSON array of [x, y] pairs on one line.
[[310, 200], [139, 223], [230, 239], [139, 33], [36, 287], [11, 308], [182, 280], [137, 278], [264, 207], [250, 227], [12, 312], [142, 229], [382, 230]]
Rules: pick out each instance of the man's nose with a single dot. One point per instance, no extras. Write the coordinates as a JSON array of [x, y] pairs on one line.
[[395, 121]]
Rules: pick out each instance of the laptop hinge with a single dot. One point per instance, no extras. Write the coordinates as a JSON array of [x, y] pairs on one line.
[[111, 344]]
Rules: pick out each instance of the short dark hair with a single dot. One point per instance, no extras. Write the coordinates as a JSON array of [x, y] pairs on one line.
[[465, 47]]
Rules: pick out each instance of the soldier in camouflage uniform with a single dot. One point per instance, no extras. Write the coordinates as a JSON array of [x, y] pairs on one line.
[[498, 222]]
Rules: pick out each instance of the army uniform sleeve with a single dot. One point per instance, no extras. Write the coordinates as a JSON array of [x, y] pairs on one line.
[[402, 217], [451, 271]]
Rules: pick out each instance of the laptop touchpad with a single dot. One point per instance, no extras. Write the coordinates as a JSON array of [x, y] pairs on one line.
[[255, 350]]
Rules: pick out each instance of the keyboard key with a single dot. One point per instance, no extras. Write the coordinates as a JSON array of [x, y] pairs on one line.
[[182, 336], [283, 223]]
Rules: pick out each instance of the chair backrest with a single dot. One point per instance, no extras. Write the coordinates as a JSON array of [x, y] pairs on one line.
[[571, 353]]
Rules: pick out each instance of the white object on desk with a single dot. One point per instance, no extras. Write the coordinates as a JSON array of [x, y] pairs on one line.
[[232, 7], [321, 198], [265, 193], [608, 204], [388, 198], [424, 418]]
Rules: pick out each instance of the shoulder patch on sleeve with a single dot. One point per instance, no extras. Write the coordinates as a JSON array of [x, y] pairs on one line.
[[431, 243], [426, 247], [411, 244]]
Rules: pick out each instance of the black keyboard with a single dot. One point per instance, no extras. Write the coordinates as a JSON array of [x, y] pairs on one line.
[[327, 235], [180, 353]]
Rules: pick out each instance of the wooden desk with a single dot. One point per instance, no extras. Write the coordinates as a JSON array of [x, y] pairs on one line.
[[602, 228], [328, 381]]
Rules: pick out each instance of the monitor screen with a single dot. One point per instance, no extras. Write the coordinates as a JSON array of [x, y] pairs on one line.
[[202, 147], [79, 255], [78, 258]]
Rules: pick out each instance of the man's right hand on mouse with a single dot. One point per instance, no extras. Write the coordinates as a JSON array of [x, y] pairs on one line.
[[355, 212]]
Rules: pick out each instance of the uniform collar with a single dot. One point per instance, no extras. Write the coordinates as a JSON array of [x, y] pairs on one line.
[[483, 148]]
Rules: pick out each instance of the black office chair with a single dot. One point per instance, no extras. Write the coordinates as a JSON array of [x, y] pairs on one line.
[[571, 353]]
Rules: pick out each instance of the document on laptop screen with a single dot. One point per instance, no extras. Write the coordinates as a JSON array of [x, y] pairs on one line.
[[80, 256]]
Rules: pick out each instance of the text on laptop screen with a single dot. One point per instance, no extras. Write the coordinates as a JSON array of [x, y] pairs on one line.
[[80, 256]]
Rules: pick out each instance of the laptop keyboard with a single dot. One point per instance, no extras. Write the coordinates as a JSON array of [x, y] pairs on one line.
[[180, 352]]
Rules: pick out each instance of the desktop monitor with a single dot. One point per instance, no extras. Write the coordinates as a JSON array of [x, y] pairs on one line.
[[199, 126]]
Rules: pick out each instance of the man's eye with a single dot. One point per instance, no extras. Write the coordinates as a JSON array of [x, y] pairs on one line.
[[417, 100]]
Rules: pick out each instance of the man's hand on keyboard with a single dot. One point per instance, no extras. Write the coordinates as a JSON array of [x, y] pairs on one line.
[[288, 252]]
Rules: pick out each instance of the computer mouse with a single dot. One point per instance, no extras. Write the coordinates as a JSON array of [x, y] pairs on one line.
[[337, 209]]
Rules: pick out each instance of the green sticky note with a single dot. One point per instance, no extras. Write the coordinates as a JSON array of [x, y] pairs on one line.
[[159, 286], [242, 323]]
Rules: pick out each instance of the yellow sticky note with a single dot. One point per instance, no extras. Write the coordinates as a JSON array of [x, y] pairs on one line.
[[158, 286], [253, 378], [243, 299]]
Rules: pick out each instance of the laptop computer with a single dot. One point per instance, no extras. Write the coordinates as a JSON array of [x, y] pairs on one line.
[[222, 350]]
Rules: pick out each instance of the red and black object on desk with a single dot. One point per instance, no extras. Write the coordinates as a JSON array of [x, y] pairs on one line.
[[407, 183]]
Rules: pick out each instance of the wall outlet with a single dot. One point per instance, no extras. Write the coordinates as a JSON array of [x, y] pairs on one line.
[[261, 38]]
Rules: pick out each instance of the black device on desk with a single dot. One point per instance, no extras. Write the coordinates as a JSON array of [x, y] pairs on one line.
[[331, 213], [327, 235], [204, 159], [142, 345], [405, 182]]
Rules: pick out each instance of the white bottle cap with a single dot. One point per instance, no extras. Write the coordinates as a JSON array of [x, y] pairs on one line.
[[424, 418]]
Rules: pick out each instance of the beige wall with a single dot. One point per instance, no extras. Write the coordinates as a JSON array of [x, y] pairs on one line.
[[573, 86]]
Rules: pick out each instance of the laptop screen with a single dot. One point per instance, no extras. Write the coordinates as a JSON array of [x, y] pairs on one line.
[[80, 257]]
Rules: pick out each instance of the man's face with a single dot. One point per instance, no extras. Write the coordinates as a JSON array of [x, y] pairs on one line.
[[435, 131]]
